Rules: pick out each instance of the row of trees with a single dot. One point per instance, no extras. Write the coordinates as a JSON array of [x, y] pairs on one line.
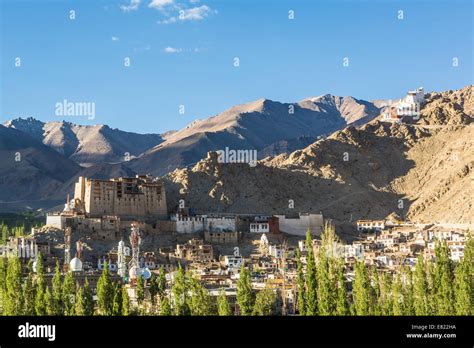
[[440, 288], [7, 231], [187, 296], [30, 295]]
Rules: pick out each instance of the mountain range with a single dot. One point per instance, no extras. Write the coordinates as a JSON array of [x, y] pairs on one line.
[[327, 154], [422, 171]]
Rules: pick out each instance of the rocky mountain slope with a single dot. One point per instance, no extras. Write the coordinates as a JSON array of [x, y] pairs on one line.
[[87, 145], [266, 126], [422, 171]]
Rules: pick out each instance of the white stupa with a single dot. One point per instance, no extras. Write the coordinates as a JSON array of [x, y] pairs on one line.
[[75, 265]]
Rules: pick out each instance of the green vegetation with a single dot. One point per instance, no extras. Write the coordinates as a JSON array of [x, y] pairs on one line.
[[439, 288]]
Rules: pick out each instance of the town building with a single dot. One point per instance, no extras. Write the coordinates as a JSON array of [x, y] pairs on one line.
[[201, 223], [370, 225], [229, 237], [300, 224], [142, 196], [194, 250]]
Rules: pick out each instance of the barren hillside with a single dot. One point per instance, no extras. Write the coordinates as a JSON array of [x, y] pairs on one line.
[[422, 171]]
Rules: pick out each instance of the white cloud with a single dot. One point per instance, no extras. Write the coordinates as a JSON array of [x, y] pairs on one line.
[[190, 14], [159, 4], [195, 13], [172, 50], [115, 38], [193, 1], [133, 6]]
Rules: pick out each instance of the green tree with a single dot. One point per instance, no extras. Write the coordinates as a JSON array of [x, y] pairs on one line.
[[265, 303], [88, 299], [408, 292], [386, 299], [397, 294], [57, 298], [68, 294], [223, 306], [80, 302], [105, 292], [29, 293], [200, 302], [375, 292], [48, 302], [161, 282], [311, 278], [118, 301], [300, 283], [3, 283], [153, 289], [361, 289], [140, 289], [326, 280], [125, 302], [420, 288], [342, 306], [443, 281], [165, 307], [40, 305], [464, 281], [180, 293], [13, 298], [245, 293]]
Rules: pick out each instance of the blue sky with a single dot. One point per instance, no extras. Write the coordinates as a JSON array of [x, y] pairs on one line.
[[189, 60]]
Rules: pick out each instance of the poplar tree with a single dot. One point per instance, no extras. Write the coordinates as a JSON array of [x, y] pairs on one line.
[[165, 307], [420, 288], [464, 281], [13, 298], [397, 294], [153, 289], [375, 292], [40, 305], [118, 301], [3, 283], [57, 299], [300, 283], [68, 294], [245, 293], [140, 289], [88, 299], [386, 294], [161, 282], [29, 293], [265, 303], [325, 272], [48, 302], [180, 293], [311, 278], [199, 301], [125, 302], [105, 292], [443, 281], [80, 302], [408, 296], [431, 297], [361, 289], [342, 307], [223, 306]]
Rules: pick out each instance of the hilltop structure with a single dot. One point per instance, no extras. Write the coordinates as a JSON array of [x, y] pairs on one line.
[[409, 106]]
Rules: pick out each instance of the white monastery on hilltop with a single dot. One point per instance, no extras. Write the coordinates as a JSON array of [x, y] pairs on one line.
[[409, 106]]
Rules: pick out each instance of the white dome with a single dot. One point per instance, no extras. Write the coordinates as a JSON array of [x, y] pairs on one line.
[[75, 265]]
